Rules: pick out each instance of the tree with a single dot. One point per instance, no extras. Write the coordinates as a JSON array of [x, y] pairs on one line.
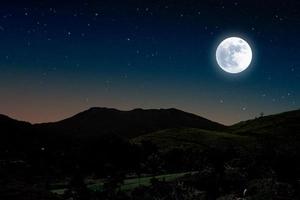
[[261, 114]]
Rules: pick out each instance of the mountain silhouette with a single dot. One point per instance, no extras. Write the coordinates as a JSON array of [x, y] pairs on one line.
[[8, 123], [99, 121], [13, 133], [10, 127]]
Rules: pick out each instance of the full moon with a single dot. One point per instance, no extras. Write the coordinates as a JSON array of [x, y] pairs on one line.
[[234, 55]]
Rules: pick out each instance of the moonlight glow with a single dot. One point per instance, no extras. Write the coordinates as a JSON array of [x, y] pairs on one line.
[[234, 55]]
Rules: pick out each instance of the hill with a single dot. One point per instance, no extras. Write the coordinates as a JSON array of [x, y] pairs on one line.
[[100, 121], [185, 138], [287, 123], [13, 133], [276, 135], [9, 124]]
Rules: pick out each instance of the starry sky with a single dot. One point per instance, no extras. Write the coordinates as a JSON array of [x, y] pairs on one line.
[[58, 58]]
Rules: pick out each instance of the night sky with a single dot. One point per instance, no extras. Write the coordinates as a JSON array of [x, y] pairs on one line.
[[57, 59]]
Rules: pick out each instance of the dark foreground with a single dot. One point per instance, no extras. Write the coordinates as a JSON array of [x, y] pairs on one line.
[[150, 154]]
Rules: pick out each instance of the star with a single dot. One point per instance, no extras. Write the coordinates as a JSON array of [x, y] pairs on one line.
[[292, 69]]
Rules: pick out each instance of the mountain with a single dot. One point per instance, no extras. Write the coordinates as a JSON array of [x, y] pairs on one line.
[[100, 121], [11, 126], [8, 122], [286, 123], [13, 132], [137, 122]]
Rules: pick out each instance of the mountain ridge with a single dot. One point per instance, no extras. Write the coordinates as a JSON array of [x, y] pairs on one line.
[[7, 118], [128, 123]]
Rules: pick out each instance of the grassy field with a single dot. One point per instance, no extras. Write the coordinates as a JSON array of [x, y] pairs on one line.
[[131, 183], [184, 138], [279, 123]]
